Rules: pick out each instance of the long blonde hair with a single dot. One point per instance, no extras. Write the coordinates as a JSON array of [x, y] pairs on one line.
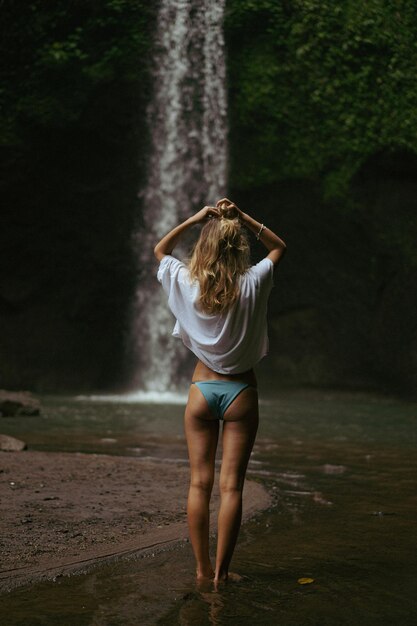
[[220, 256]]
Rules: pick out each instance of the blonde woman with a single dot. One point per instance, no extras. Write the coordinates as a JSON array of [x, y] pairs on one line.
[[220, 304]]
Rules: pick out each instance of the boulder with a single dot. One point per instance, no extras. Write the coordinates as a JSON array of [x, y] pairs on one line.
[[18, 403], [10, 444]]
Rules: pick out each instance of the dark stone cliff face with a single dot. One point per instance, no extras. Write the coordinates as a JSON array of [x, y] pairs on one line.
[[70, 206], [342, 311]]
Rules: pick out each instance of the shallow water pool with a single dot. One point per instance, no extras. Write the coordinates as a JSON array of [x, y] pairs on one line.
[[343, 471]]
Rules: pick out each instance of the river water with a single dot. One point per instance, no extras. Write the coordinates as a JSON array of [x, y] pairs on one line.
[[342, 467]]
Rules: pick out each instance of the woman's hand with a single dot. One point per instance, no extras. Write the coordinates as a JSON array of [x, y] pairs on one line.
[[168, 243], [204, 214], [230, 205]]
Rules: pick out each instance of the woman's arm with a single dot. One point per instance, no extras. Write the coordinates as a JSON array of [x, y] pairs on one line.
[[168, 243], [275, 245]]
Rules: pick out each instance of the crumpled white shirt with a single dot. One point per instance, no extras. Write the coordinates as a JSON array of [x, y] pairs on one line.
[[230, 342]]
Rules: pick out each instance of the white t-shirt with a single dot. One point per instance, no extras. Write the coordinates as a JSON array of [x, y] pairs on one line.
[[230, 342]]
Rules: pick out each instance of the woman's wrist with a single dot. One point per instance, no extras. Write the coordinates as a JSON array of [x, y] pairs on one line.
[[250, 223]]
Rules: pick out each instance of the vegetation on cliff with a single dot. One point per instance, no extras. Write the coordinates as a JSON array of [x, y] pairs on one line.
[[316, 87]]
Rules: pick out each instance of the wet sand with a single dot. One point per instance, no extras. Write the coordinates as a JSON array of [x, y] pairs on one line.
[[64, 512]]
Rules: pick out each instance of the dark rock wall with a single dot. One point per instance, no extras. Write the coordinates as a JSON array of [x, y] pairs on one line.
[[319, 319], [73, 147], [69, 272], [385, 190], [343, 307]]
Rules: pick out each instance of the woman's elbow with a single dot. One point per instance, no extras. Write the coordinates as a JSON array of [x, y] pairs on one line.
[[277, 252], [281, 247], [157, 252]]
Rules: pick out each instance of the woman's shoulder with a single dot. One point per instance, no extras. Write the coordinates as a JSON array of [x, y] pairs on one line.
[[170, 261], [264, 263], [171, 270], [262, 270]]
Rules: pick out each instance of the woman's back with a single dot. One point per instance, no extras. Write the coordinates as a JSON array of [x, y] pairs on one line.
[[220, 257], [231, 341]]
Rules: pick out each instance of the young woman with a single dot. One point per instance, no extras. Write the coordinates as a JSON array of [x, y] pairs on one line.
[[220, 304]]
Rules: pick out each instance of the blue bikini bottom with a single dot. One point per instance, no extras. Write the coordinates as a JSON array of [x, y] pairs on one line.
[[220, 394]]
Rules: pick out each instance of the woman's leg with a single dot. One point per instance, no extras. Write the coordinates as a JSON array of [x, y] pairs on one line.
[[201, 431], [239, 432]]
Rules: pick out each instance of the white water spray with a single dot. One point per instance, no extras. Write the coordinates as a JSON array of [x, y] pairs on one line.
[[187, 166]]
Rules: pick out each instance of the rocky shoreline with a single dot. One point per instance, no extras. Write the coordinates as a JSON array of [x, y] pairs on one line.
[[16, 403]]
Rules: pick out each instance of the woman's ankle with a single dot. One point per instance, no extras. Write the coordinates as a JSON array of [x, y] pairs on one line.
[[221, 575], [205, 572]]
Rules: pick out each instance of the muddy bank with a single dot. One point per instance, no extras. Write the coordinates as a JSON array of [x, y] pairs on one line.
[[66, 512]]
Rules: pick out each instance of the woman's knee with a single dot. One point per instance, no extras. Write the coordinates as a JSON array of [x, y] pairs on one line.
[[231, 485], [202, 482]]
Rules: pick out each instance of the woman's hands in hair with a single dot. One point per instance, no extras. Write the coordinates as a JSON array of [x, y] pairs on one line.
[[168, 243], [275, 245], [208, 212], [228, 205], [204, 214]]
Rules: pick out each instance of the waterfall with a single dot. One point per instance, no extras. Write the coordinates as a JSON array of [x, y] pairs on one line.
[[187, 166]]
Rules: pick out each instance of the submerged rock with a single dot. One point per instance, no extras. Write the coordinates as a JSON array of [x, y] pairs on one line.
[[18, 403], [10, 444]]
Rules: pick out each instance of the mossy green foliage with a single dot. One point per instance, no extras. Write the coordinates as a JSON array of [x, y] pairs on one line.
[[317, 86], [57, 55]]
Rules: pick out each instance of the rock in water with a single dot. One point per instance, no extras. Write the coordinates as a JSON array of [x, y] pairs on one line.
[[10, 444], [18, 403]]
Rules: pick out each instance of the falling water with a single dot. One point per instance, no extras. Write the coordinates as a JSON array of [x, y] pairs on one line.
[[186, 168]]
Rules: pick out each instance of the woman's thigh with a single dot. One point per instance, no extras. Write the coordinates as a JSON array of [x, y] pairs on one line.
[[244, 407], [201, 432], [239, 433]]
